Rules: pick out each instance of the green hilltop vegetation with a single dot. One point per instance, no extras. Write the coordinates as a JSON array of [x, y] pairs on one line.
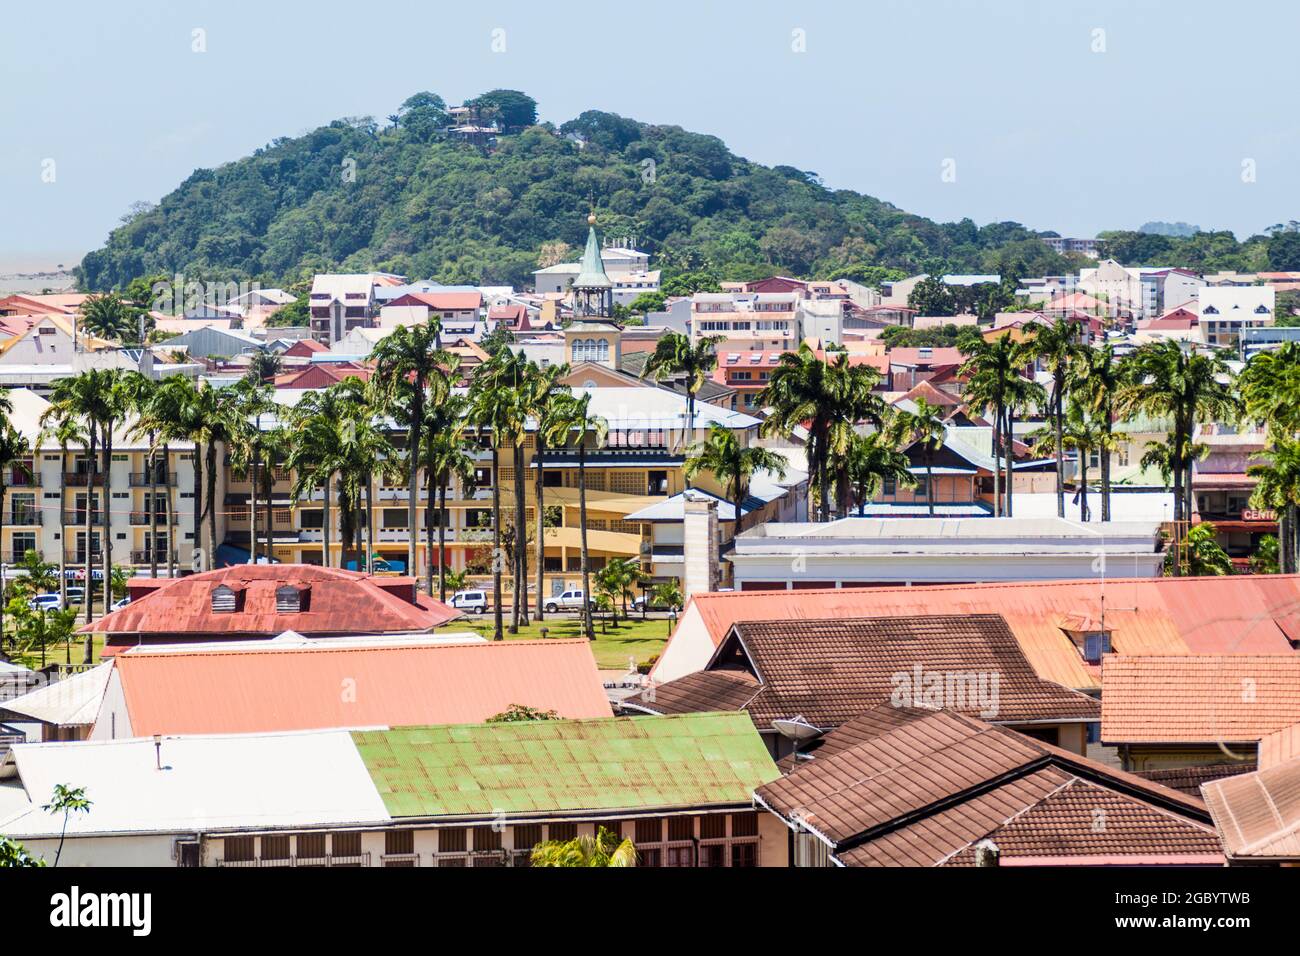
[[404, 196]]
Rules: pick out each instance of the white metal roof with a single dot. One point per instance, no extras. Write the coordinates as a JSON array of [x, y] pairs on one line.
[[242, 781], [74, 700]]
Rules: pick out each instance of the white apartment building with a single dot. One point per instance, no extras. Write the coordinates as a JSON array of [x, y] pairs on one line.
[[1226, 311], [748, 320]]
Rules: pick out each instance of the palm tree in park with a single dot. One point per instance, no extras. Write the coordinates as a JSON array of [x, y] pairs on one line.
[[571, 421], [995, 383], [922, 426], [871, 461], [543, 389], [446, 456], [675, 355], [731, 464], [495, 408], [407, 362]]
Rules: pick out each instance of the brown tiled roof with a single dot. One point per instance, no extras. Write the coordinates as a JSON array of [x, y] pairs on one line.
[[830, 671], [1188, 780], [1258, 814], [920, 788], [1204, 698], [701, 692]]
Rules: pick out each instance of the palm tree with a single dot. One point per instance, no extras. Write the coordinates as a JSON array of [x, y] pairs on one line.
[[571, 420], [871, 461], [732, 464], [990, 372], [406, 362], [446, 456], [543, 389], [603, 849], [140, 392], [1081, 434], [1096, 382], [14, 450], [1057, 347], [1270, 388], [173, 415], [107, 316], [249, 449], [363, 451], [922, 426], [1204, 555], [1187, 387], [1278, 488], [496, 406], [825, 398], [617, 579], [66, 431], [675, 355]]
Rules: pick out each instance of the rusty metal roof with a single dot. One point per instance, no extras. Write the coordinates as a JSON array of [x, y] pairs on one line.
[[553, 766], [1238, 614], [317, 686], [333, 602]]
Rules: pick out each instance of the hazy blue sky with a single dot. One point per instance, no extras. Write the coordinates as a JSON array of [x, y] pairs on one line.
[[1042, 129]]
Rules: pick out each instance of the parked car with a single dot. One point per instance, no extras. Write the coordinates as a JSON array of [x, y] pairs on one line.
[[472, 602], [648, 604], [76, 595], [570, 600], [119, 604], [46, 602]]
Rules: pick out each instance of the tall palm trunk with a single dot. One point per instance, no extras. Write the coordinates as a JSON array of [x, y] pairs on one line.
[[521, 540], [1009, 449], [153, 507], [252, 507], [210, 555], [63, 525], [430, 503], [370, 523], [497, 633], [1059, 414], [582, 524], [325, 523], [997, 456], [929, 480], [690, 429], [168, 481], [539, 514], [92, 469], [413, 479], [196, 516], [268, 492], [4, 490], [1083, 485], [1176, 466], [442, 541], [106, 516]]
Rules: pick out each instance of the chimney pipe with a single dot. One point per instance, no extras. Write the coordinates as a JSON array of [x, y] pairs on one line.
[[157, 749], [987, 853]]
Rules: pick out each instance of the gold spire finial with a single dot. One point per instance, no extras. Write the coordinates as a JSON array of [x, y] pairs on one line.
[[591, 218]]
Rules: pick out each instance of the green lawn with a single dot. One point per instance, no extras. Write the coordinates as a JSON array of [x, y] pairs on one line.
[[638, 639], [58, 653]]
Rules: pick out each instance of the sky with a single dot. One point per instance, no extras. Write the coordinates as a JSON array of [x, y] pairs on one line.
[[1064, 115]]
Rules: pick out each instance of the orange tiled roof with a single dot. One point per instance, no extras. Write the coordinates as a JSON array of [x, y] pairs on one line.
[[1241, 614], [266, 690], [1198, 699]]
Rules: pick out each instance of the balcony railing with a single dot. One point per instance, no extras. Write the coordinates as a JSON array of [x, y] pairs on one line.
[[143, 518], [22, 479], [143, 479], [80, 479], [399, 859], [79, 557], [24, 518], [359, 859], [77, 519], [143, 557]]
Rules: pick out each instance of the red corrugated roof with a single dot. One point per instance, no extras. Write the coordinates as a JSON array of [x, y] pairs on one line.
[[335, 602], [1240, 614], [264, 690]]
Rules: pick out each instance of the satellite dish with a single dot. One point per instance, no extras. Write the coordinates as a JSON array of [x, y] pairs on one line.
[[796, 729]]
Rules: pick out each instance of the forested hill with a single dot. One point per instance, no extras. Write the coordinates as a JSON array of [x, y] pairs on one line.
[[401, 196]]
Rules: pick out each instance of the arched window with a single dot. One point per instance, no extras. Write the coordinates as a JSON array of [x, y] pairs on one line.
[[288, 599], [604, 350], [224, 600]]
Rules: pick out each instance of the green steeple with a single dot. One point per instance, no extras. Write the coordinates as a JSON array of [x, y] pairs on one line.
[[591, 275]]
